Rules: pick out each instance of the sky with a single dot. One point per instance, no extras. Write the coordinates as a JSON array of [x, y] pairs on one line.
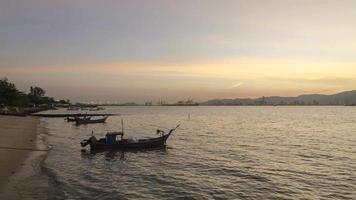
[[146, 50]]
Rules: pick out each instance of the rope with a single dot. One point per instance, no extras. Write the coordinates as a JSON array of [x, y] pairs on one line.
[[26, 149]]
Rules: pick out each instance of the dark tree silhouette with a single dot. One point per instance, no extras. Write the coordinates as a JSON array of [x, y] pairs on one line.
[[37, 92], [8, 92], [37, 96], [10, 96]]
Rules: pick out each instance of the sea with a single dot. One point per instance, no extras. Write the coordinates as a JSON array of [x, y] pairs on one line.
[[218, 152]]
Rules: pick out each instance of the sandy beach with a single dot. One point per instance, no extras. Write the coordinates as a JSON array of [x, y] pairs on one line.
[[20, 170]]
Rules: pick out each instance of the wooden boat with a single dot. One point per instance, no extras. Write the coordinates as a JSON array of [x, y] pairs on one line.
[[79, 121], [112, 141], [73, 119], [96, 109], [70, 119], [73, 108]]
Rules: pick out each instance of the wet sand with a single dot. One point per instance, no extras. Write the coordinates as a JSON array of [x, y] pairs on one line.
[[21, 176]]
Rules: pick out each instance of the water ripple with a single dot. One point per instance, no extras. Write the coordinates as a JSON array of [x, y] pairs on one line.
[[220, 153]]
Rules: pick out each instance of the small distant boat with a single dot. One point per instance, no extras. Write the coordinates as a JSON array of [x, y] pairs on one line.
[[70, 119], [112, 141], [96, 109], [73, 119], [80, 121], [73, 108]]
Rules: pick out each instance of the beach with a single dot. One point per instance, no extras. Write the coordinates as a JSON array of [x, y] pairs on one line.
[[21, 176]]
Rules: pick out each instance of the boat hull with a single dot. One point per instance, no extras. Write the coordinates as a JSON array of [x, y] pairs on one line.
[[140, 144], [90, 121]]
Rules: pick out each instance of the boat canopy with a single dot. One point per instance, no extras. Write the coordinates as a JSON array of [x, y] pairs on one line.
[[111, 137]]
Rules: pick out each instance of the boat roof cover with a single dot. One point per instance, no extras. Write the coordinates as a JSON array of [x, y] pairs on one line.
[[114, 133]]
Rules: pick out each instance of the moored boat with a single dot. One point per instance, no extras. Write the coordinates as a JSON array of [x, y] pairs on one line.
[[96, 109], [79, 121], [73, 119], [73, 108], [115, 140]]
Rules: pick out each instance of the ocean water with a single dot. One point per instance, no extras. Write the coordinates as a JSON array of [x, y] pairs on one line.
[[219, 153]]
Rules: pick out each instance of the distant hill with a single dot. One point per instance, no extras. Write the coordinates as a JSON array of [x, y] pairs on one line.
[[343, 98]]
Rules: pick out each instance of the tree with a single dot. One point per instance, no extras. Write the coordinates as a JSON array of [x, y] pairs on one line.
[[21, 100], [37, 92], [36, 95], [62, 101], [8, 92]]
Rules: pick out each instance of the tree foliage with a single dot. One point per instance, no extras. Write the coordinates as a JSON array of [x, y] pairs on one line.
[[11, 96], [37, 92], [8, 92], [36, 95]]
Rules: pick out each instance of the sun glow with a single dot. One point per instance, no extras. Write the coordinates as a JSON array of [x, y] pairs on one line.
[[212, 50]]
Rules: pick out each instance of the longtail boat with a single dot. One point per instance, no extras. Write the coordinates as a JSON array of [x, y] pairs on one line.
[[115, 140], [73, 119], [79, 121]]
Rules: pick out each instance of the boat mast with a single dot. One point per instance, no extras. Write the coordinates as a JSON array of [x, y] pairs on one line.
[[122, 128]]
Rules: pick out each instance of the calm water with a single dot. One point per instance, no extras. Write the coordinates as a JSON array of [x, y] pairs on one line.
[[220, 153]]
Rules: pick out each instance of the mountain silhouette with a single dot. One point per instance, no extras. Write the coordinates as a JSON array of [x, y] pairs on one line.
[[343, 98]]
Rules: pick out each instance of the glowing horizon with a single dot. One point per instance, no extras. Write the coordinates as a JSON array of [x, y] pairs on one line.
[[135, 51]]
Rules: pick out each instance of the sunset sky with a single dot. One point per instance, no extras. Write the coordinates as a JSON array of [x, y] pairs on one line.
[[141, 50]]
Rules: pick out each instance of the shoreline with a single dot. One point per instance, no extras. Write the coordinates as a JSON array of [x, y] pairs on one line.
[[23, 151]]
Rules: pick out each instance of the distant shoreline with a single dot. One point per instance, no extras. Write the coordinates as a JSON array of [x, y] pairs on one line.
[[220, 105], [347, 98]]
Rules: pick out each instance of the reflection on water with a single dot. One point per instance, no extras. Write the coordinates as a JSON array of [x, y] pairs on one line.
[[220, 153], [116, 154]]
